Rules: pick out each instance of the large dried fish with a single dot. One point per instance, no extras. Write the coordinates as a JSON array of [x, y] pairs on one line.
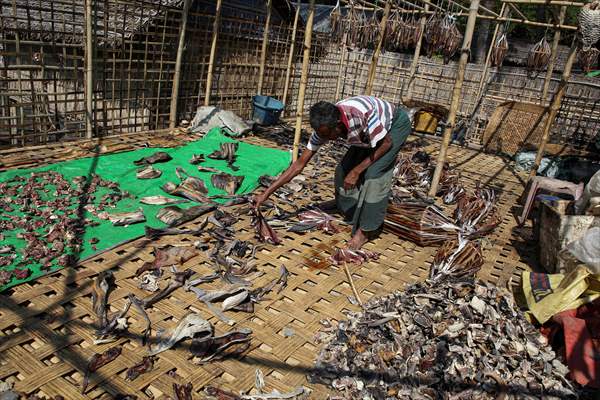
[[315, 219], [168, 256], [148, 172], [140, 368], [160, 200], [227, 182], [182, 392], [191, 187], [102, 285], [158, 157], [213, 347], [139, 306], [153, 233], [189, 326], [352, 256], [97, 361], [173, 215], [127, 218], [264, 233], [227, 152]]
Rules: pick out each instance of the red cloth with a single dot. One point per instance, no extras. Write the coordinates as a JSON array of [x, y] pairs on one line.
[[580, 330]]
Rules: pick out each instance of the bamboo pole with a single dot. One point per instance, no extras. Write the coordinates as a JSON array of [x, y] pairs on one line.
[[303, 77], [213, 50], [263, 52], [561, 18], [176, 76], [288, 71], [338, 84], [375, 59], [415, 61], [554, 107], [460, 75], [89, 71]]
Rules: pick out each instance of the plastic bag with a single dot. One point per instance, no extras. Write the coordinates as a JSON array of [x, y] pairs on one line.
[[209, 117], [587, 249]]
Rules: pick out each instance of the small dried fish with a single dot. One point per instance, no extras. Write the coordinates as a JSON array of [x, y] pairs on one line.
[[207, 169], [174, 215], [220, 394], [315, 219], [188, 327], [167, 256], [149, 281], [160, 200], [197, 159], [283, 278], [226, 182], [266, 181], [97, 361], [264, 233], [142, 367], [259, 380], [235, 300], [227, 152], [127, 218], [182, 392], [158, 157], [352, 256], [148, 172]]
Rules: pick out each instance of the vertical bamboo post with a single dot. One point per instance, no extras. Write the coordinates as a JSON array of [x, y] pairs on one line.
[[303, 77], [415, 61], [561, 18], [338, 84], [89, 70], [460, 76], [176, 76], [375, 59], [288, 71], [554, 107], [263, 51], [213, 50]]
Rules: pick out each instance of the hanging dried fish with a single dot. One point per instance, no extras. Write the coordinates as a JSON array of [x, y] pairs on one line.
[[227, 152], [352, 256], [140, 368], [182, 392], [158, 157], [97, 361], [127, 218], [148, 172], [456, 260], [191, 187], [336, 23], [160, 200], [452, 42], [587, 58], [499, 51], [189, 326], [539, 56], [264, 233], [227, 182]]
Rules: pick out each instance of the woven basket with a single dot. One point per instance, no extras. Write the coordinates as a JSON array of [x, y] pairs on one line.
[[589, 24]]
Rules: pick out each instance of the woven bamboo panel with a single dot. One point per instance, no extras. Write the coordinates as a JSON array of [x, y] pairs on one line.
[[46, 327], [514, 125]]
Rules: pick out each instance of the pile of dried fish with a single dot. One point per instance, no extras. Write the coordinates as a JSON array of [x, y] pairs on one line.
[[587, 58], [442, 340], [476, 214], [539, 56], [227, 152], [499, 51]]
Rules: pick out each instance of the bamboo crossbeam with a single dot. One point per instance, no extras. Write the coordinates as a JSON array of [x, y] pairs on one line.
[[288, 71], [561, 18], [554, 107], [89, 71], [375, 59], [454, 105], [178, 60], [303, 78], [213, 50], [263, 51], [547, 2], [338, 84]]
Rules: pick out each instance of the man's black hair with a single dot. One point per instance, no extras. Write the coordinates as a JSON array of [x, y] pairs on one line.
[[324, 113]]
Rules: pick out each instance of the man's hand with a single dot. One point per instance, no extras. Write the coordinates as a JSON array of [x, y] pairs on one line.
[[258, 199], [351, 180]]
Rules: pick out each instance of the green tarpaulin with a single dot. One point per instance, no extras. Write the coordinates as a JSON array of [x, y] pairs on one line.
[[253, 161]]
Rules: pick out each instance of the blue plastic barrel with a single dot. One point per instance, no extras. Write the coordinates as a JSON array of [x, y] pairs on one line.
[[266, 110]]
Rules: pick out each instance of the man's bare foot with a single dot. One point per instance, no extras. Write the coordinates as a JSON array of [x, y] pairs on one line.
[[358, 240]]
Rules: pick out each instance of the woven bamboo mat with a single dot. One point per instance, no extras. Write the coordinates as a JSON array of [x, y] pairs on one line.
[[46, 327]]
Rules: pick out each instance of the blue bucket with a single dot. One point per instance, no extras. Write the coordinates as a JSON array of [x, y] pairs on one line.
[[266, 110]]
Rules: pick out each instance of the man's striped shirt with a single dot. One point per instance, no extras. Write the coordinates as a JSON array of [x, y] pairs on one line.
[[368, 119]]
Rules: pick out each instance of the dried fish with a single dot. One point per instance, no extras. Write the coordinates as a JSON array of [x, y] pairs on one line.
[[299, 391], [266, 181], [207, 169], [189, 326], [235, 300], [182, 392], [227, 152], [259, 380], [139, 306], [197, 159], [214, 347], [148, 172], [539, 56], [168, 256], [114, 326], [97, 361], [226, 182], [158, 157], [191, 187], [149, 281], [315, 219], [264, 233], [587, 58], [160, 200], [220, 394], [499, 51], [7, 249], [282, 281], [178, 280], [102, 285], [174, 215], [457, 259], [352, 256], [127, 218], [140, 368]]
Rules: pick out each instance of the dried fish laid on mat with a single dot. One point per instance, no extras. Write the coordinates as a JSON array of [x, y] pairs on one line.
[[139, 306], [127, 218], [158, 157], [456, 260], [182, 392], [587, 58], [174, 215], [189, 326], [177, 280], [114, 328], [227, 152], [160, 200], [148, 172], [499, 51], [97, 361], [315, 219], [539, 56], [102, 284], [266, 181], [168, 256], [140, 368], [226, 182], [197, 159], [264, 233], [154, 233], [421, 223], [149, 281], [352, 256], [191, 187], [441, 340], [212, 348]]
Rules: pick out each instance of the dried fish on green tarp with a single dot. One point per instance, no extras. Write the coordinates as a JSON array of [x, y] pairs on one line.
[[226, 182]]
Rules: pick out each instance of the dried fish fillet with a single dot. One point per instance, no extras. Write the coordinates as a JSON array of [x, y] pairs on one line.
[[127, 218], [227, 152], [97, 361], [182, 392], [140, 368], [160, 200], [148, 172], [190, 326], [191, 187], [315, 219], [264, 233], [227, 182], [167, 256], [174, 215], [158, 157]]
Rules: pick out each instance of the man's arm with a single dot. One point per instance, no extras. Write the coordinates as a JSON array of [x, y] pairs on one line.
[[382, 147], [289, 174]]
